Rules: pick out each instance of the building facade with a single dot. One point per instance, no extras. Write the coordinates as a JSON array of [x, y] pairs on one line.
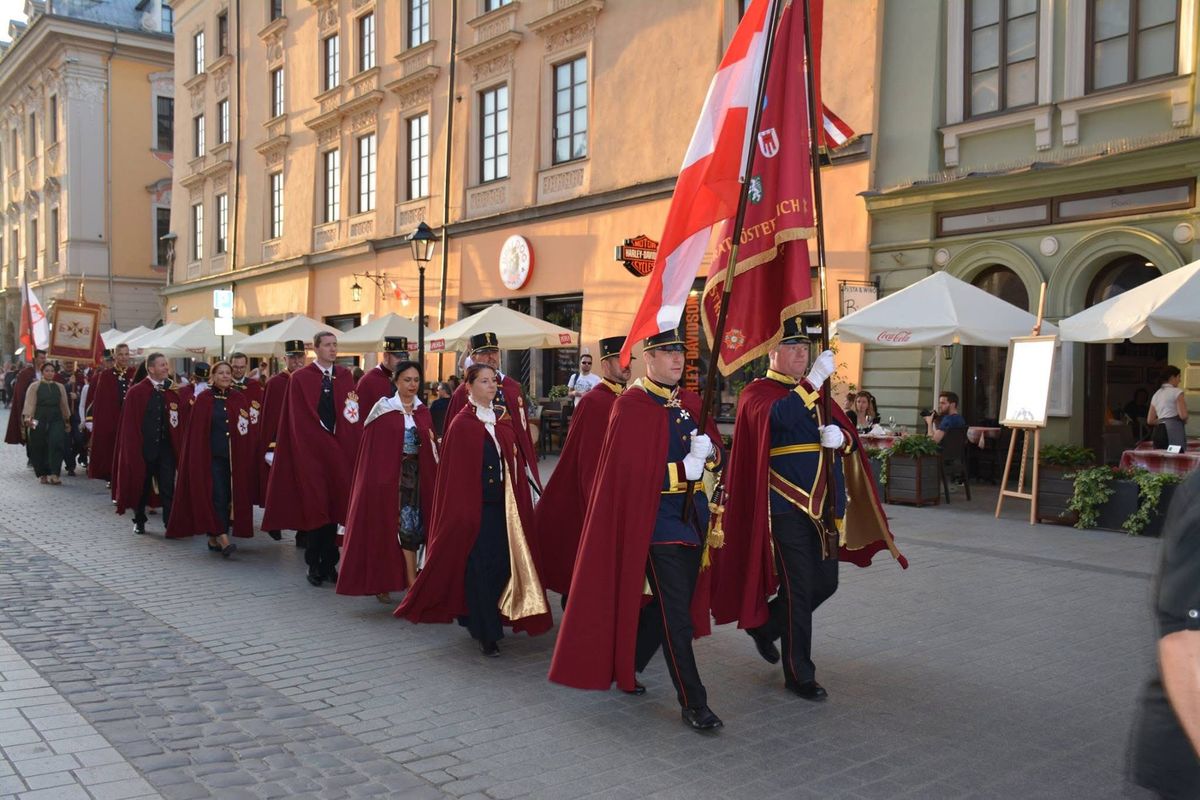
[[569, 122], [85, 129], [1035, 141]]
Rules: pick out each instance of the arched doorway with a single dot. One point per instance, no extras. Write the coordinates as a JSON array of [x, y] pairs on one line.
[[1113, 373], [983, 367]]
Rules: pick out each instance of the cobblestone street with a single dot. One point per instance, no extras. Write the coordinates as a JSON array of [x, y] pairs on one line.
[[1004, 663]]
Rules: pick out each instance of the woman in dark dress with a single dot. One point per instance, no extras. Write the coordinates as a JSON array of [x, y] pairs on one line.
[[479, 567], [48, 420]]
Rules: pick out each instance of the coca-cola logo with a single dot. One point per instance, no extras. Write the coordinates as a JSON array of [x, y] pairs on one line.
[[894, 337]]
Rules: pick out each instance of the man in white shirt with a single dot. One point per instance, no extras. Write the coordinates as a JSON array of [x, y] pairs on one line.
[[584, 380]]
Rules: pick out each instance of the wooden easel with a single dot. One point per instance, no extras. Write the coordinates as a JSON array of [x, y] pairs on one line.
[[1020, 492]]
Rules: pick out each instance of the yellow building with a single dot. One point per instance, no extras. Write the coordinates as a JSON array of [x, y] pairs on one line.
[[569, 122], [86, 94]]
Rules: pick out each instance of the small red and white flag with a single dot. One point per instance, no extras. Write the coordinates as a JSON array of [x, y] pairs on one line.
[[35, 328], [709, 180], [837, 132]]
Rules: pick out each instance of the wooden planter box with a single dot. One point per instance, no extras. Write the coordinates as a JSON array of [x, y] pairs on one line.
[[1164, 503], [1054, 495], [913, 481], [1119, 507]]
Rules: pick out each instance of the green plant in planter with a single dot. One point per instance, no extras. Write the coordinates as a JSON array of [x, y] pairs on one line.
[[875, 452], [911, 446], [1092, 490], [1150, 486], [1069, 456], [558, 392]]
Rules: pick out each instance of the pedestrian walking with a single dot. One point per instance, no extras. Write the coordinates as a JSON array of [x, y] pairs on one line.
[[47, 418], [150, 439], [479, 566], [103, 420], [272, 410], [15, 434]]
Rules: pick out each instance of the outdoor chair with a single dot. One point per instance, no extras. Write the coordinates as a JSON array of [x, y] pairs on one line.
[[952, 461]]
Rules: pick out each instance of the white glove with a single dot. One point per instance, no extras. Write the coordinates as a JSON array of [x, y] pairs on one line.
[[821, 369], [832, 437], [270, 459], [701, 446], [693, 467], [88, 425]]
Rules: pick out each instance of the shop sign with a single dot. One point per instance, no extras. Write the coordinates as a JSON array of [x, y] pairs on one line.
[[857, 296], [691, 339], [637, 254], [516, 262]]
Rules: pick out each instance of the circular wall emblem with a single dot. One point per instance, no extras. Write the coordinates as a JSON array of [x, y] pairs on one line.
[[516, 262]]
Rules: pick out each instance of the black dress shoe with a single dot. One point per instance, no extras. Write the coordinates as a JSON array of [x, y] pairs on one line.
[[213, 547], [331, 575], [228, 550], [766, 646], [276, 535], [490, 649], [315, 580], [139, 528], [808, 690], [637, 689], [701, 719]]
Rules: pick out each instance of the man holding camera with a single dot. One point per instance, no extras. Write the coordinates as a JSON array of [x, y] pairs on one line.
[[946, 418]]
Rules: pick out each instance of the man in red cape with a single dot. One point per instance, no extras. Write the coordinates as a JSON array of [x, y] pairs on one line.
[[313, 459], [193, 512], [775, 535], [560, 512], [635, 535], [104, 417], [372, 560], [274, 395], [485, 349], [25, 378], [377, 381], [151, 438]]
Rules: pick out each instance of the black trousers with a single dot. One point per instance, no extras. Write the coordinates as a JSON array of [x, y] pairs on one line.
[[222, 493], [488, 572], [321, 554], [666, 621], [75, 452], [160, 475], [805, 581]]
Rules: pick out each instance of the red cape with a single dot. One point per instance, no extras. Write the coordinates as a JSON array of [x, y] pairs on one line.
[[439, 594], [105, 415], [598, 632], [372, 560], [373, 385], [514, 400], [130, 473], [192, 513], [743, 571], [15, 433], [310, 481], [253, 392], [187, 399], [561, 508], [272, 410]]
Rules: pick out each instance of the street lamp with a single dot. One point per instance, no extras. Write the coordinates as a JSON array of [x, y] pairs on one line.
[[422, 241], [356, 292]]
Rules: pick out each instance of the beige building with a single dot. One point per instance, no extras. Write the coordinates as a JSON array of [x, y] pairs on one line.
[[85, 129], [315, 135]]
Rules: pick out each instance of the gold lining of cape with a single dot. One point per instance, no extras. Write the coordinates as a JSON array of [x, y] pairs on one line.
[[523, 596]]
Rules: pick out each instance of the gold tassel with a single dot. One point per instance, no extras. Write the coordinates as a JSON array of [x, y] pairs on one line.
[[716, 532]]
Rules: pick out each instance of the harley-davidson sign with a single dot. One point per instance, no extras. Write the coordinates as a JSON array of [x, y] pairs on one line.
[[637, 254]]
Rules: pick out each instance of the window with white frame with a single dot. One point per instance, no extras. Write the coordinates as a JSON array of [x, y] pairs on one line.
[[277, 92], [197, 231], [1131, 41], [570, 110], [275, 10], [222, 204], [52, 237], [493, 133], [223, 121], [276, 227], [167, 19], [198, 53], [418, 22], [33, 134], [164, 123], [366, 173], [492, 5], [333, 69], [52, 120], [33, 246], [1002, 53], [332, 184], [418, 156], [222, 33], [198, 136], [162, 227], [366, 42]]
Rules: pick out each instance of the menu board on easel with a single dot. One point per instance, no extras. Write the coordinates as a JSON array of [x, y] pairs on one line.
[[1026, 399]]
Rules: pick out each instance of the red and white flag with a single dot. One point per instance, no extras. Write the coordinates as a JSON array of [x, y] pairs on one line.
[[35, 328], [837, 132], [709, 180]]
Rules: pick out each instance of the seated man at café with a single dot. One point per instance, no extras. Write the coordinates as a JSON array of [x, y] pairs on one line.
[[946, 418]]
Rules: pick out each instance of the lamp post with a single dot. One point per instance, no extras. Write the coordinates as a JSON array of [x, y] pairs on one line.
[[422, 241]]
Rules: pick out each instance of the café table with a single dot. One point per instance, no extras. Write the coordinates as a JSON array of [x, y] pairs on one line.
[[1193, 445], [1161, 461], [878, 441]]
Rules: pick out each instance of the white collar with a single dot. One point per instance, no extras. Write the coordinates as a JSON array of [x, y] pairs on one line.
[[386, 405]]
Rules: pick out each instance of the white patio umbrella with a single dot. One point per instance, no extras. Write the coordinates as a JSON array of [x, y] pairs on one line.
[[516, 331], [123, 338], [369, 338], [270, 341], [938, 310], [197, 339], [1166, 309], [146, 343], [111, 337]]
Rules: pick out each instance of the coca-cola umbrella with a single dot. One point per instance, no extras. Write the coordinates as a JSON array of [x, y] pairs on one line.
[[938, 310]]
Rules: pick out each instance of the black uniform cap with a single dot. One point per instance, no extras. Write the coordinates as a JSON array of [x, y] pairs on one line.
[[484, 341], [200, 370], [793, 331], [611, 346], [395, 345], [294, 347], [671, 339]]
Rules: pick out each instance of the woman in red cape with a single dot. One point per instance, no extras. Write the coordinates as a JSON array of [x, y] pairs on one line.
[[397, 463], [478, 563], [215, 485]]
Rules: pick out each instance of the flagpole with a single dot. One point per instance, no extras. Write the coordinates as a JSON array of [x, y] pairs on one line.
[[815, 154], [710, 381]]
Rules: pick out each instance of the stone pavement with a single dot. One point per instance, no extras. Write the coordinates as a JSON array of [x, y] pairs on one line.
[[1004, 663]]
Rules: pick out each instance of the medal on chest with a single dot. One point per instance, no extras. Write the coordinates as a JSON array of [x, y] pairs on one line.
[[243, 426], [350, 409], [254, 412], [174, 415]]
